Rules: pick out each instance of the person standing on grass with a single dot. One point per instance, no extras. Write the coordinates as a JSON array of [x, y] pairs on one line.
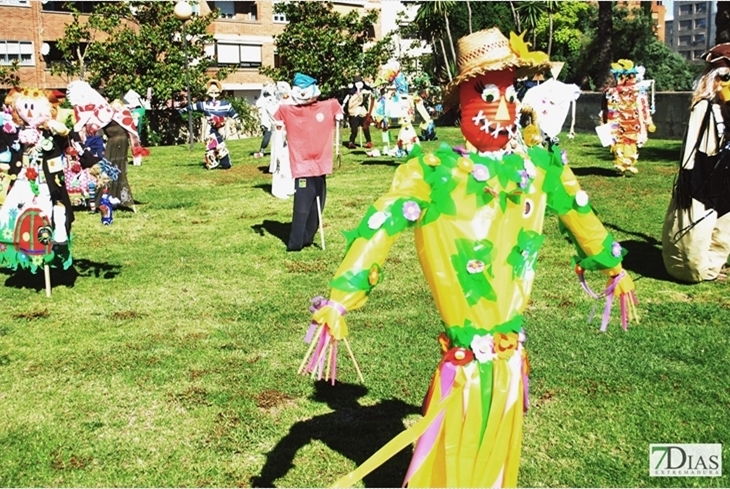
[[477, 215], [310, 124], [359, 105], [696, 231]]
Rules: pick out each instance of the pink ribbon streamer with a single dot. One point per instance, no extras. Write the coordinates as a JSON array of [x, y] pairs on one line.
[[608, 293], [428, 439]]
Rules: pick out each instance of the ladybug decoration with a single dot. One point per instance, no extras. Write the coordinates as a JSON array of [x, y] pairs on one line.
[[33, 233]]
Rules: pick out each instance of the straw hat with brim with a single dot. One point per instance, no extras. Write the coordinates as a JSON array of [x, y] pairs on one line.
[[485, 51]]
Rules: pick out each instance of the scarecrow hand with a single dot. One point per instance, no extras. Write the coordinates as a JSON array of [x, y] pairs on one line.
[[626, 294], [332, 317], [57, 127]]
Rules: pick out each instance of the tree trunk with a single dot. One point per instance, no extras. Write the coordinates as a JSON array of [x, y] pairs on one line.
[[722, 23], [446, 60], [468, 8], [605, 47], [550, 34], [515, 17], [451, 40]]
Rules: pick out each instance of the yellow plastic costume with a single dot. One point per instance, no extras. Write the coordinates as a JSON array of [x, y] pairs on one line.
[[478, 224]]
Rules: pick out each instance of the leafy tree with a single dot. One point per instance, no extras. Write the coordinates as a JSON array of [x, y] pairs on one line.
[[328, 46], [530, 12], [433, 17], [137, 45], [9, 75]]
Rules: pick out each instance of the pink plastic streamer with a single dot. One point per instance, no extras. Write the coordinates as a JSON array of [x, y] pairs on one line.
[[608, 293], [428, 439], [318, 361]]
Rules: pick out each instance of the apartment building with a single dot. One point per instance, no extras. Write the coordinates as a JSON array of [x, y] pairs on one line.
[[244, 37], [693, 28], [658, 14]]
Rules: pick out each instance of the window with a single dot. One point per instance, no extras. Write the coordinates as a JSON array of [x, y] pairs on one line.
[[15, 3], [701, 8], [700, 23], [83, 7], [685, 40], [699, 53], [687, 54], [235, 10], [699, 39], [54, 56], [242, 55], [20, 51], [685, 9], [279, 18], [685, 25]]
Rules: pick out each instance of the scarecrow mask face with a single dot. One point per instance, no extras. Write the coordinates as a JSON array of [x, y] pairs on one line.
[[626, 79], [723, 80], [213, 91], [488, 110], [33, 107]]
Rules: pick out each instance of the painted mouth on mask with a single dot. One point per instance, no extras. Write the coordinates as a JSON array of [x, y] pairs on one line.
[[496, 129]]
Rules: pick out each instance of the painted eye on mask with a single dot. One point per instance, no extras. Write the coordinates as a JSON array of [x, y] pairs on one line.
[[510, 94], [489, 92], [724, 77]]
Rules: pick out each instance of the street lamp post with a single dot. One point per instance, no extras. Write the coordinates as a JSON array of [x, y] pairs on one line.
[[183, 11]]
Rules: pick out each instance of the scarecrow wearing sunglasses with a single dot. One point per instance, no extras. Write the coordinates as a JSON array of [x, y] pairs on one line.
[[626, 108], [696, 232], [477, 214]]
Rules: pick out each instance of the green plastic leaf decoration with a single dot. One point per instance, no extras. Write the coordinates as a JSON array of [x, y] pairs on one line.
[[523, 255], [352, 281]]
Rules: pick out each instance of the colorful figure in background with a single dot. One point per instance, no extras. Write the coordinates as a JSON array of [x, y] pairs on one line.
[[696, 232], [477, 215], [105, 209], [358, 105], [266, 105], [216, 111], [282, 181], [551, 101], [310, 126], [36, 214], [138, 108], [625, 108], [115, 122]]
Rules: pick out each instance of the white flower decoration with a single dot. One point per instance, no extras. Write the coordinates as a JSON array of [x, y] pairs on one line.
[[483, 348], [581, 198], [377, 220], [530, 169]]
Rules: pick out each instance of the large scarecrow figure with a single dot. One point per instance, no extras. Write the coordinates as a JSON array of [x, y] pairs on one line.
[[696, 232], [36, 214], [216, 111], [625, 108], [477, 216]]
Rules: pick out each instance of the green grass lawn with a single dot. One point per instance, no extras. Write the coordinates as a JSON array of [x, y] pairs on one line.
[[167, 357]]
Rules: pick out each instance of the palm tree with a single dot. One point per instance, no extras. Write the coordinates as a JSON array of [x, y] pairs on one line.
[[429, 15], [722, 22], [468, 9], [516, 16], [605, 50], [531, 11], [551, 8]]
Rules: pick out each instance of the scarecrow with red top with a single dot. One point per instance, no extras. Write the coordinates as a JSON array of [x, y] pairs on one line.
[[477, 214]]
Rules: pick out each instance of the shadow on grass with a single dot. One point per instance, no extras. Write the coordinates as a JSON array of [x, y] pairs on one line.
[[266, 187], [654, 153], [380, 162], [24, 279], [596, 171], [353, 430], [644, 255], [281, 230]]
